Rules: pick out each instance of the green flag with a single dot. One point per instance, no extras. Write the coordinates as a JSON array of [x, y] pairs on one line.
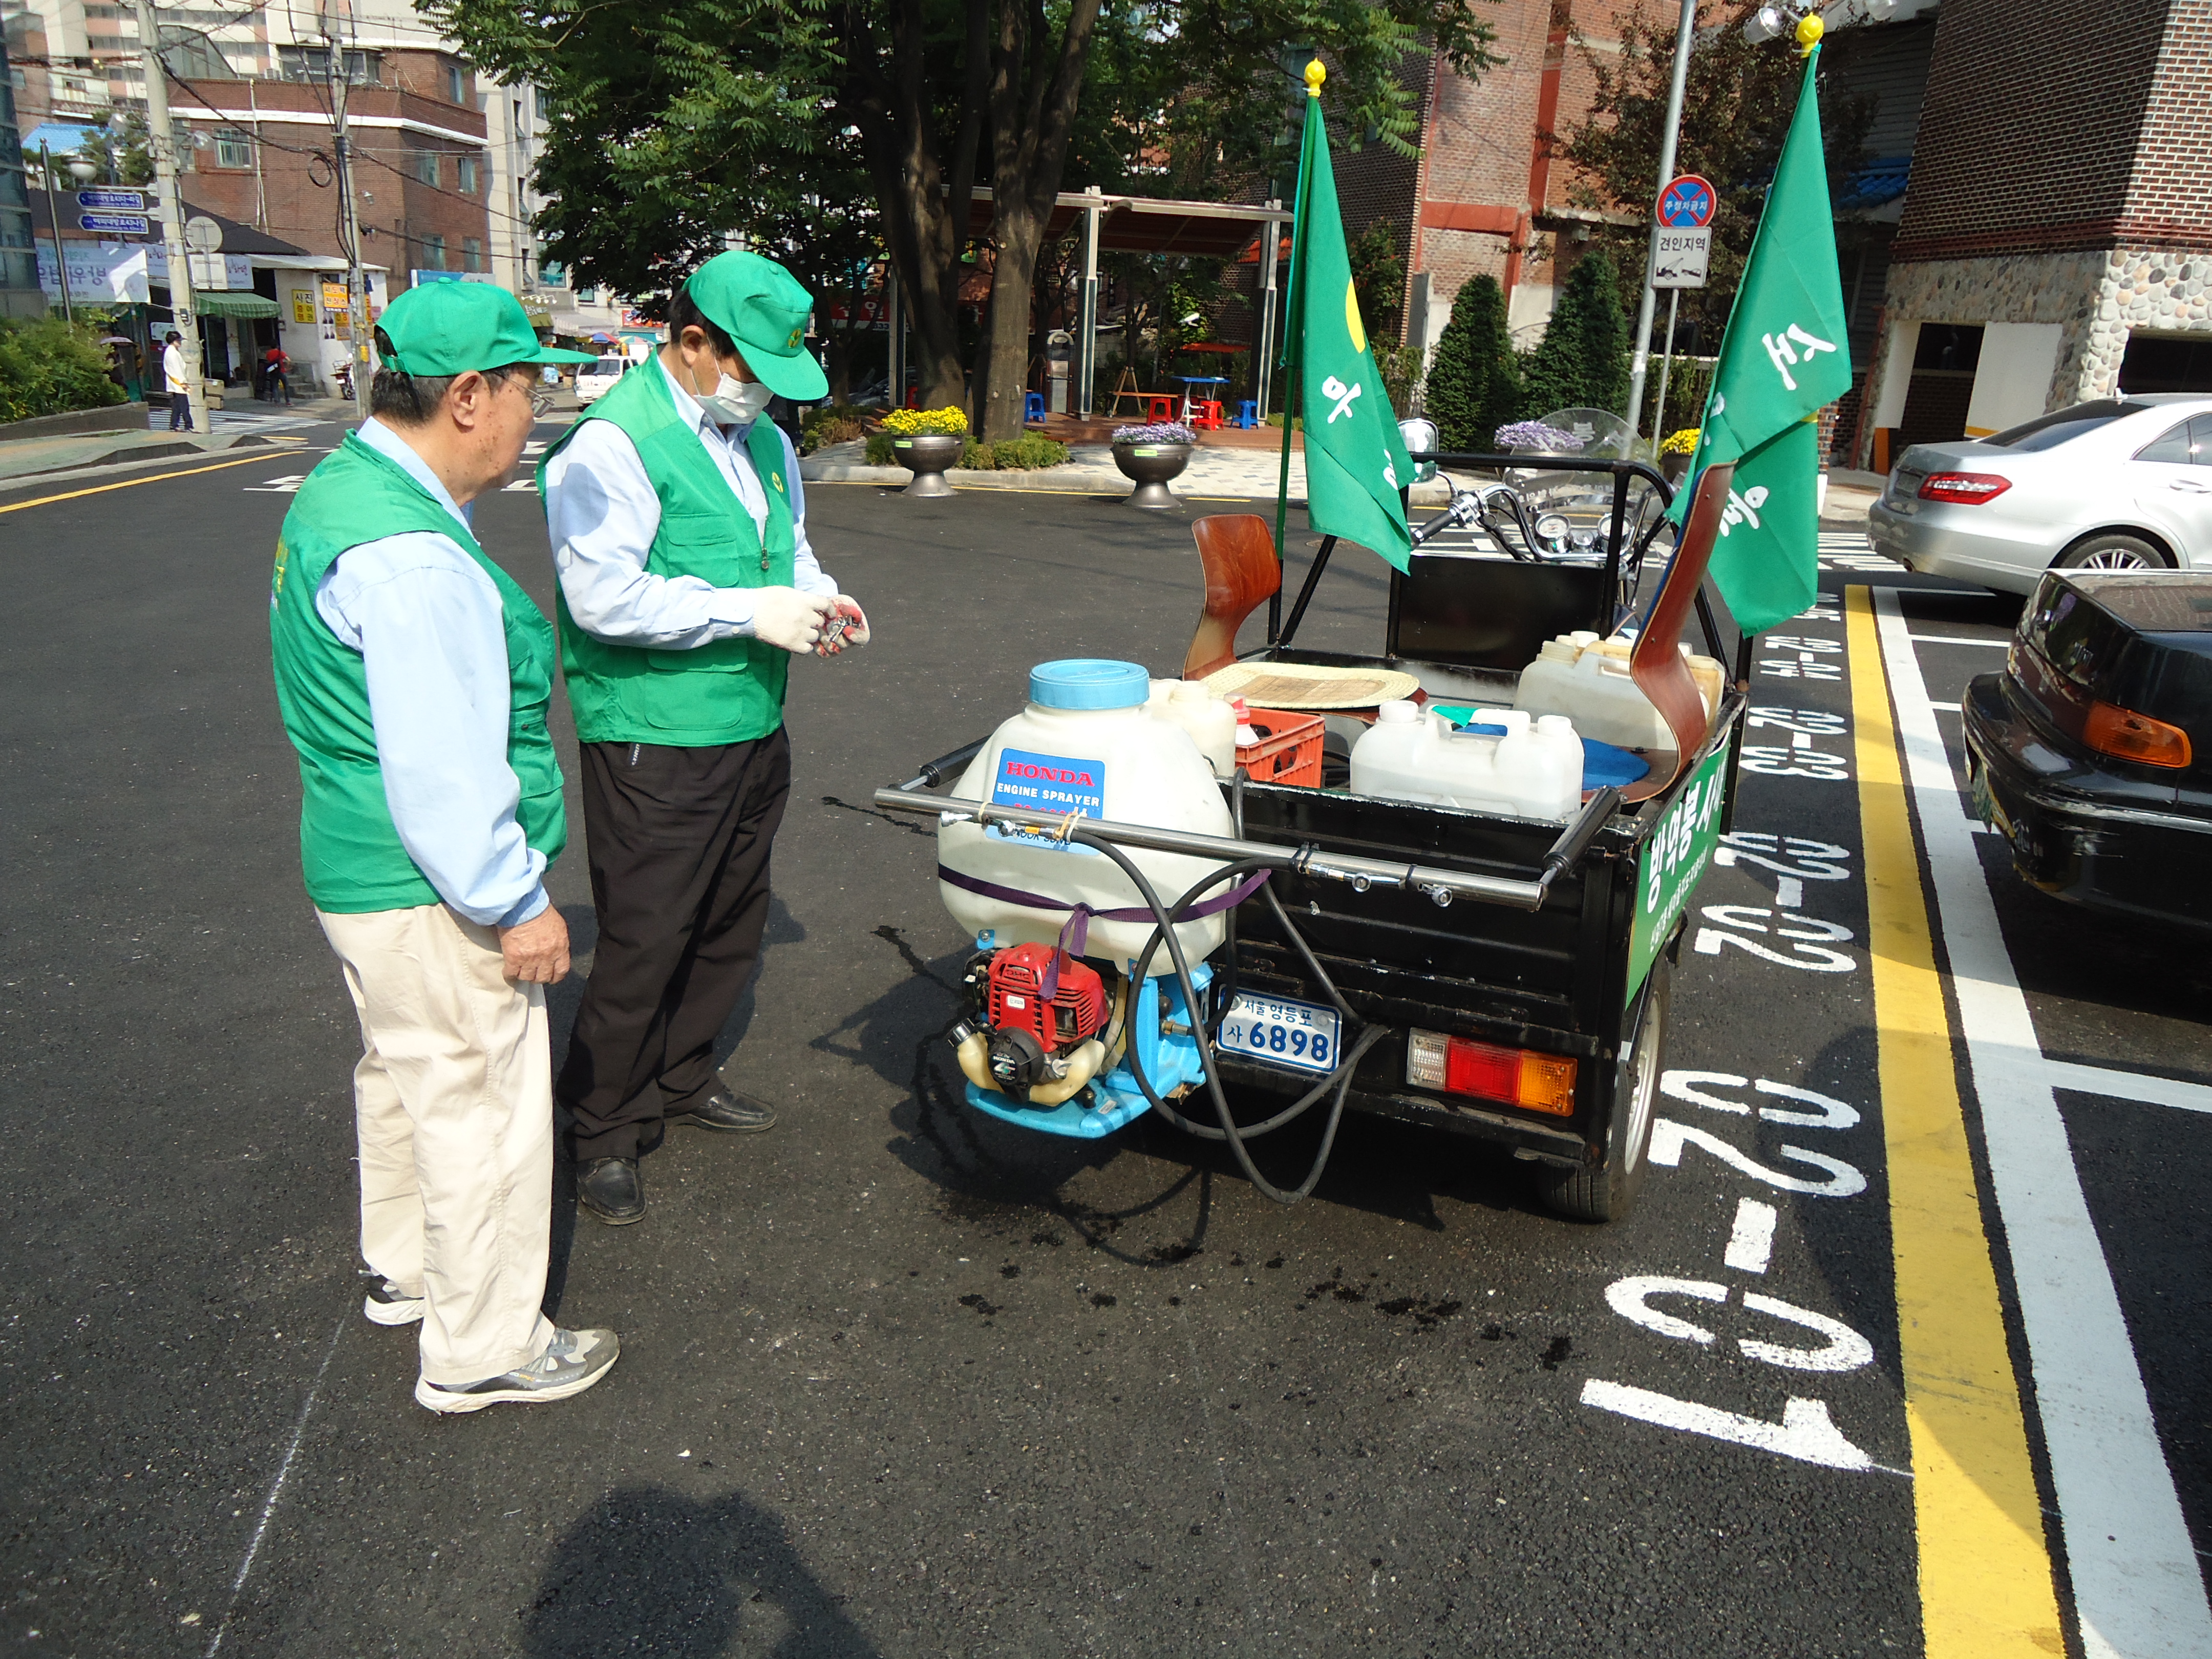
[[1355, 459], [1783, 358]]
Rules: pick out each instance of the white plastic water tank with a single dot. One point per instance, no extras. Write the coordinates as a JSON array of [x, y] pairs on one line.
[[1208, 718], [1532, 771], [1085, 744], [1588, 680]]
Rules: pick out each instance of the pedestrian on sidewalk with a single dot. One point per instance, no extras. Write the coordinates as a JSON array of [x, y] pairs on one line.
[[686, 583], [174, 372], [414, 676], [274, 366]]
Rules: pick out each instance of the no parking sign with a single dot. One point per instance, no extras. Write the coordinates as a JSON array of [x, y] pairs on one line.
[[1687, 203]]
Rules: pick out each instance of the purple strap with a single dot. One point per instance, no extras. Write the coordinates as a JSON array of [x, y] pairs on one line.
[[1080, 917]]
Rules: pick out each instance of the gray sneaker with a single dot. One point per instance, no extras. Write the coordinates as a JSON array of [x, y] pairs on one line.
[[572, 1362], [388, 1305]]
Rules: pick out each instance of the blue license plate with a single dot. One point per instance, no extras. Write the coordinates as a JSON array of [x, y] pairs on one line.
[[1300, 1036]]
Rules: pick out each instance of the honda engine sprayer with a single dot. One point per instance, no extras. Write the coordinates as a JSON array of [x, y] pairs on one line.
[[1090, 849]]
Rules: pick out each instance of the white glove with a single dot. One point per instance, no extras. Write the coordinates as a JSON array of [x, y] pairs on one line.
[[786, 617], [855, 630]]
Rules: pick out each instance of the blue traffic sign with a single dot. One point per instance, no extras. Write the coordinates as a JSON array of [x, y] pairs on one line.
[[1686, 203], [115, 224], [112, 201]]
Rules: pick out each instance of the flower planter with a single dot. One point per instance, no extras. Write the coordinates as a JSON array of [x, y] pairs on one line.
[[1150, 466], [926, 454]]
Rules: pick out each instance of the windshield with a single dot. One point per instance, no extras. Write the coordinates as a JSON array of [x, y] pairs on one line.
[[2064, 425], [609, 366]]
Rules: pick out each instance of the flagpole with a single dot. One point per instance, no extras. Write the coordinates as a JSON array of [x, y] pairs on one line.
[[1293, 333], [1812, 56]]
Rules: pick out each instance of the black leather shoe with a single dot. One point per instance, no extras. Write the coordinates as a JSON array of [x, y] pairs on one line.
[[610, 1189], [732, 1113]]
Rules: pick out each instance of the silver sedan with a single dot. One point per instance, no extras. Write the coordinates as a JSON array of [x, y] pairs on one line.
[[2122, 483]]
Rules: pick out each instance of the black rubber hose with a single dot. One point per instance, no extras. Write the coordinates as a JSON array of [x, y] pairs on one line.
[[1229, 1131]]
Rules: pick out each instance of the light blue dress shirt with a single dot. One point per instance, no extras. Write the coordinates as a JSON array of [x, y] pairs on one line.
[[602, 513], [427, 621]]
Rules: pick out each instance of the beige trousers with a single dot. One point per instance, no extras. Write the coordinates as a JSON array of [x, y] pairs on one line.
[[453, 1099]]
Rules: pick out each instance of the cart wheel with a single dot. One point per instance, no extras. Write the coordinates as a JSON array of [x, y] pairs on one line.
[[1608, 1194]]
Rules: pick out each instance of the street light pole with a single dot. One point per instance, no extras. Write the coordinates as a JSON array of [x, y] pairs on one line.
[[162, 142], [340, 148], [54, 231], [1684, 33]]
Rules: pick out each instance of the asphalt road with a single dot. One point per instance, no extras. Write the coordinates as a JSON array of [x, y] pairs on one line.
[[897, 1378]]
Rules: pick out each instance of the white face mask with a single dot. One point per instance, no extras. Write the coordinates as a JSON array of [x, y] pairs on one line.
[[734, 402]]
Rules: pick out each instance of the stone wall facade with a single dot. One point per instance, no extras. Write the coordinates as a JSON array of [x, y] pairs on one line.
[[2098, 298]]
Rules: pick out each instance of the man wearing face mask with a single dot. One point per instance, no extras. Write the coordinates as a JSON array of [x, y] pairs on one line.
[[686, 583]]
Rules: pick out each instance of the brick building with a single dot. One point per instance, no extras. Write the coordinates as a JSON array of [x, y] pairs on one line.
[[2056, 243], [422, 177], [1486, 195]]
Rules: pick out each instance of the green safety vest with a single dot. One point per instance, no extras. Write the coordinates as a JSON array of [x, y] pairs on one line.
[[731, 691], [350, 849]]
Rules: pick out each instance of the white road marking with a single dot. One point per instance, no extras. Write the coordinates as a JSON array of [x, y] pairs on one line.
[[1944, 708], [1806, 1432], [1750, 1241], [2137, 1587], [277, 1487], [1957, 638], [2128, 1085]]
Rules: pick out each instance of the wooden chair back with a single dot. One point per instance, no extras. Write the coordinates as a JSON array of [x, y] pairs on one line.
[[1237, 551]]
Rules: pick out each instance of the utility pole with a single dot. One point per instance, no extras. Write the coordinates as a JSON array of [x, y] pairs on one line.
[[163, 143], [1684, 33], [54, 230], [356, 287]]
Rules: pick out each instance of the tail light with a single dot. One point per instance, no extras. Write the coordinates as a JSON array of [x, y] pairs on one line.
[[2126, 735], [1963, 489], [1518, 1077]]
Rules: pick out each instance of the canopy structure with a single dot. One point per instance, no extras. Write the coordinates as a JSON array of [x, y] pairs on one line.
[[1135, 224], [226, 302]]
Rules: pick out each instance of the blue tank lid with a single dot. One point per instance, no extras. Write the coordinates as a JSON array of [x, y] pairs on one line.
[[1089, 682]]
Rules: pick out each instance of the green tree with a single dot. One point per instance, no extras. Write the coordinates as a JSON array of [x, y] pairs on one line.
[[1475, 378], [1582, 362], [120, 150], [49, 366], [1378, 276], [659, 107], [1735, 112]]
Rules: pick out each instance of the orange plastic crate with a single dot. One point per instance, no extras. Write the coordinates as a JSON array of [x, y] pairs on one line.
[[1289, 749]]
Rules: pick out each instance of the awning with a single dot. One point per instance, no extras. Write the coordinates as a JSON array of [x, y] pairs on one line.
[[226, 302]]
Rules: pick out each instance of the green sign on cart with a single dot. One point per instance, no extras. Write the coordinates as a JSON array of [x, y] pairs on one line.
[[1675, 861]]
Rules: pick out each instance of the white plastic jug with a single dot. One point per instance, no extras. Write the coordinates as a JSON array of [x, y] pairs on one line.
[[1588, 680], [1211, 721], [1534, 770], [1085, 743]]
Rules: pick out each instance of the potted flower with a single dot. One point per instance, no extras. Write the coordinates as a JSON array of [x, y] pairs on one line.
[[926, 441], [1149, 456], [1675, 454], [1534, 438]]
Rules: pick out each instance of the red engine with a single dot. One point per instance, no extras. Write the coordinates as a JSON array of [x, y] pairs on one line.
[[1014, 997]]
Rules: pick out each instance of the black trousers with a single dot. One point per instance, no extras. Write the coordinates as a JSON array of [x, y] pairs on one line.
[[678, 846]]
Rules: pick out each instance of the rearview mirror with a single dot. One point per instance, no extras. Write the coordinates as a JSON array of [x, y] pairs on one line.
[[1420, 436]]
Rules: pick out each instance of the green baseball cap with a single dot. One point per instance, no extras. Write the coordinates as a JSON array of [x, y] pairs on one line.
[[450, 328], [761, 306]]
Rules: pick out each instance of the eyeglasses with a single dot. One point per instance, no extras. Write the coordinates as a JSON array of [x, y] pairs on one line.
[[541, 402]]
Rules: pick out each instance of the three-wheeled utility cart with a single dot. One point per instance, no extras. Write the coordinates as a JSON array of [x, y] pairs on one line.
[[1494, 977]]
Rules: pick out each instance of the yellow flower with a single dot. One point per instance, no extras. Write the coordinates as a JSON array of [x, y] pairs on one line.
[[913, 422]]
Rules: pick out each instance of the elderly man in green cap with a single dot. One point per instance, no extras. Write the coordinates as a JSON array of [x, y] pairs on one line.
[[687, 584], [414, 675]]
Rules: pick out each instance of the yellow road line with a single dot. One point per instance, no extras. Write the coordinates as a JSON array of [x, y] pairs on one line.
[[1985, 1579], [127, 483]]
